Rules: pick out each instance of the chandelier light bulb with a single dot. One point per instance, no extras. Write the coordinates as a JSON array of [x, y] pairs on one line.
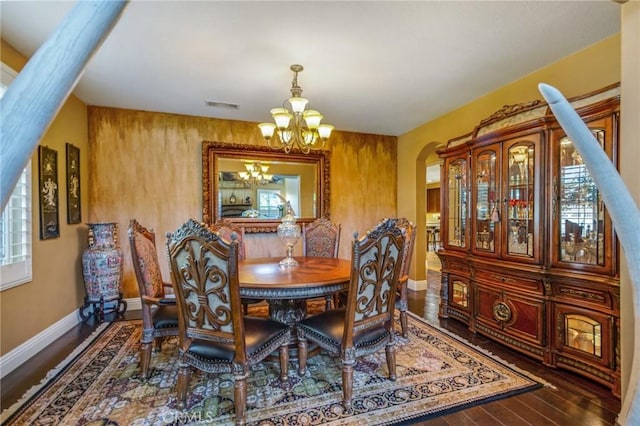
[[298, 104], [267, 130], [282, 118], [324, 130], [312, 118], [256, 173]]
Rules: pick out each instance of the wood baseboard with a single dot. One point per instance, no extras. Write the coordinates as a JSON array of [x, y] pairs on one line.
[[40, 341]]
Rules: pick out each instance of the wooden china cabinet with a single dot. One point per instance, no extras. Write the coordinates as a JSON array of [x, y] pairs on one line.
[[529, 255]]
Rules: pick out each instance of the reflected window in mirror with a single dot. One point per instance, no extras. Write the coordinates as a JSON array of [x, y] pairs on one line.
[[270, 206]]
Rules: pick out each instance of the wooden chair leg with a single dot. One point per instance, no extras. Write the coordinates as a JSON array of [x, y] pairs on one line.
[[403, 323], [347, 385], [403, 306], [184, 374], [302, 355], [284, 361], [391, 361], [145, 358], [240, 399]]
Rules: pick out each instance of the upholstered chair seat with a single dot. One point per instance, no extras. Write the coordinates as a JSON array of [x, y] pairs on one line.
[[259, 333], [165, 316]]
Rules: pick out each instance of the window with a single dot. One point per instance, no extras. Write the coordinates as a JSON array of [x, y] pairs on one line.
[[269, 204], [15, 222]]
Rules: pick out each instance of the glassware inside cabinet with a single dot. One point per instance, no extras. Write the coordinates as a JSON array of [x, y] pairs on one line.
[[581, 210], [457, 202], [460, 294], [520, 199], [583, 333], [487, 212]]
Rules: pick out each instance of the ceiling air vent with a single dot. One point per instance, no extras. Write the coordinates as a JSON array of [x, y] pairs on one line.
[[216, 104]]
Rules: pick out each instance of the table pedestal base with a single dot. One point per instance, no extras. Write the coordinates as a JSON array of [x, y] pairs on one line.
[[290, 312]]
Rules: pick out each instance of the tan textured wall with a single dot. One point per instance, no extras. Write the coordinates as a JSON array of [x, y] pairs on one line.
[[147, 166], [57, 287], [587, 70]]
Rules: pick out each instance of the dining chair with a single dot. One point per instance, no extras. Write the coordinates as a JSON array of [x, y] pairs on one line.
[[321, 238], [224, 228], [215, 335], [159, 312], [401, 296], [365, 325]]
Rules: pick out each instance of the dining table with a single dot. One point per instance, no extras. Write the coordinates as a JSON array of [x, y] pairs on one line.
[[286, 289]]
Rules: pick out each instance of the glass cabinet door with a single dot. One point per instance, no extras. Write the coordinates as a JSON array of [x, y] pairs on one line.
[[581, 210], [583, 333], [582, 231], [460, 293], [487, 202], [586, 334], [520, 199], [456, 199]]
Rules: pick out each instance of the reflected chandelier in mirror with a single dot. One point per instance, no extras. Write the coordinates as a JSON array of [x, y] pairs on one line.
[[246, 184]]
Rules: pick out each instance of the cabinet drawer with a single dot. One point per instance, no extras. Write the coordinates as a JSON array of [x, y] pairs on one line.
[[510, 281], [456, 266], [520, 317], [574, 294]]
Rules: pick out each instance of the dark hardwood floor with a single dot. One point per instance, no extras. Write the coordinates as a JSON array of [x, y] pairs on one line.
[[574, 401]]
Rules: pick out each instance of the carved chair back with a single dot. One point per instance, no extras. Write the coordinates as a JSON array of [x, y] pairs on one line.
[[204, 271], [410, 239], [145, 260], [366, 324], [163, 320], [402, 303], [321, 238], [225, 228], [376, 261], [215, 336]]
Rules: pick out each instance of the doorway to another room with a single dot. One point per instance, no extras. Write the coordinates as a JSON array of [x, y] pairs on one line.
[[432, 217]]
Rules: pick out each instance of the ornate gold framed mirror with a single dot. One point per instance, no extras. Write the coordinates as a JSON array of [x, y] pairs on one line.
[[248, 184]]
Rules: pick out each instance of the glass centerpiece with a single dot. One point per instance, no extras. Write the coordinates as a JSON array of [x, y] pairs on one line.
[[289, 234]]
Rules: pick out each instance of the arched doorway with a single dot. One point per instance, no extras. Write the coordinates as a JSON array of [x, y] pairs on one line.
[[432, 215], [427, 156]]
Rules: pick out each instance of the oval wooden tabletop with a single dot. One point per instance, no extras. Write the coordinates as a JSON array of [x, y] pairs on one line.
[[313, 271]]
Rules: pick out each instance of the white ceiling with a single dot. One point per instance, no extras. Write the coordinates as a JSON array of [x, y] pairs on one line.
[[381, 67]]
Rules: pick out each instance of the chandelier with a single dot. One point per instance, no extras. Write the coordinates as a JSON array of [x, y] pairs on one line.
[[295, 125], [256, 173]]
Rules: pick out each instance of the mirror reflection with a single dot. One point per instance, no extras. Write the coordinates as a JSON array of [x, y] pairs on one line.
[[254, 188], [251, 185]]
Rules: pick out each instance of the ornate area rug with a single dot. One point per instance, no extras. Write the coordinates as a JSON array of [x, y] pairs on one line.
[[437, 373]]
